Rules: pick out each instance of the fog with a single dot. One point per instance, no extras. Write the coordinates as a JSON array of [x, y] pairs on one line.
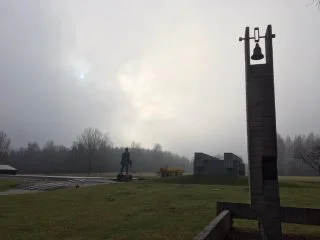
[[168, 72]]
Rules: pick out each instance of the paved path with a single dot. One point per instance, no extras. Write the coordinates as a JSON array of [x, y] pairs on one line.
[[36, 183], [16, 191], [47, 177], [45, 186]]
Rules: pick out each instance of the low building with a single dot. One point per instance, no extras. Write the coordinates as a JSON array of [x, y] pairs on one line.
[[230, 165], [6, 169]]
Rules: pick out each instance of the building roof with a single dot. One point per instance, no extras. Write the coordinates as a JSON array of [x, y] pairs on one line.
[[6, 167]]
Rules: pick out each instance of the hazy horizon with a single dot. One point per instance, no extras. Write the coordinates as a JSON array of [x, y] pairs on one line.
[[168, 72]]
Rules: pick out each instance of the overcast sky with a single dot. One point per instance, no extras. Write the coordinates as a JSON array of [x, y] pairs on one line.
[[151, 71]]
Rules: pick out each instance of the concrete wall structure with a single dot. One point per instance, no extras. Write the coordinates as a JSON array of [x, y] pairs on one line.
[[206, 164], [234, 164]]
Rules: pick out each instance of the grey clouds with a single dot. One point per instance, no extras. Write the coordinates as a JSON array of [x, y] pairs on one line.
[[151, 71]]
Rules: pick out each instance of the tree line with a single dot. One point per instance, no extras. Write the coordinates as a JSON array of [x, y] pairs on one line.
[[92, 151], [299, 155]]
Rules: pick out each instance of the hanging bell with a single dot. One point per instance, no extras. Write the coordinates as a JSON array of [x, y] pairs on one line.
[[257, 55]]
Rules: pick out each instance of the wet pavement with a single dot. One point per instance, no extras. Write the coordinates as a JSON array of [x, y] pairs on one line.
[[17, 191], [37, 183]]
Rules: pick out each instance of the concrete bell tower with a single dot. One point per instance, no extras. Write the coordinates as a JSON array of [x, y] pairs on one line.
[[262, 135]]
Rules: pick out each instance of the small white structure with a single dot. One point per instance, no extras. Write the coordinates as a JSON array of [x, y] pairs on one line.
[[6, 169]]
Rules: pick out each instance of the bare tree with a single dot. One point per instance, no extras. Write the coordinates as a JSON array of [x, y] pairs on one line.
[[135, 145], [33, 147], [307, 149], [4, 145], [49, 146], [281, 147], [157, 148], [315, 3], [158, 153], [91, 141]]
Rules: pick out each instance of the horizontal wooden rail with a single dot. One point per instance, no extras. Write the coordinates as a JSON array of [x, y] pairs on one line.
[[218, 228], [306, 216]]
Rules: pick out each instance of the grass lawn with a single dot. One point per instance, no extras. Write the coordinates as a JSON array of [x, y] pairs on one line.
[[145, 210], [7, 184]]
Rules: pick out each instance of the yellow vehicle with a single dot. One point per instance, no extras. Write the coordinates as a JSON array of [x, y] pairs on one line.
[[169, 172]]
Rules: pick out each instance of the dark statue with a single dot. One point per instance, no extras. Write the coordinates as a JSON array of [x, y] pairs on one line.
[[125, 161], [125, 164]]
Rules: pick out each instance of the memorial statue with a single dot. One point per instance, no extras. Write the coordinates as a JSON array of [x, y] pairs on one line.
[[125, 161]]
